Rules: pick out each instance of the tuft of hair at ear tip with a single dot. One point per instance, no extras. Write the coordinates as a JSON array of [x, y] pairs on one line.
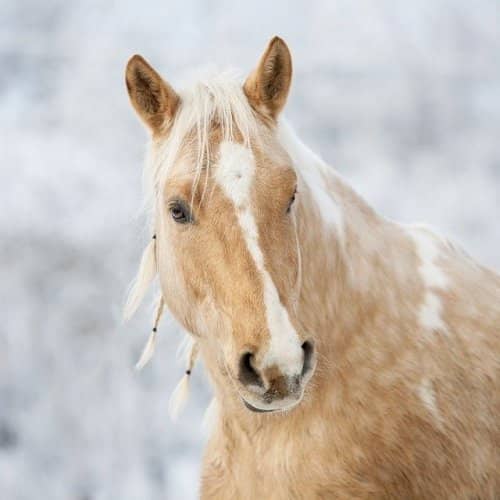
[[277, 40], [145, 275]]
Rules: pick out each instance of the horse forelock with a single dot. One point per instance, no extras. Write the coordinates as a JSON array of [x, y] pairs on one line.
[[216, 102]]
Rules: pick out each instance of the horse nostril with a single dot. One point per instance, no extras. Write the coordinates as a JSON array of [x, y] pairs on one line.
[[248, 375], [308, 348]]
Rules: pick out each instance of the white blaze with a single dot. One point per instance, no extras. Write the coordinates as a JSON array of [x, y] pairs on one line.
[[235, 174]]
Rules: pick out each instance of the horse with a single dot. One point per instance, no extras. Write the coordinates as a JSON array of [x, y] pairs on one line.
[[350, 356]]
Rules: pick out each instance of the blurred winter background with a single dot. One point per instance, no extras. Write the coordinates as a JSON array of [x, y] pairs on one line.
[[403, 97]]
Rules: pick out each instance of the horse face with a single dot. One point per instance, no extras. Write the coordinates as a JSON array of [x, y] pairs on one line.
[[229, 268], [227, 246]]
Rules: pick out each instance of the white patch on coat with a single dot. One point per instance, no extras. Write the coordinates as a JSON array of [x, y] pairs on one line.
[[313, 171], [235, 174], [428, 397], [428, 251], [433, 278], [430, 313]]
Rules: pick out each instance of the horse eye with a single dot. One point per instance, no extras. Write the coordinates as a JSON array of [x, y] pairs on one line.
[[290, 203], [179, 212]]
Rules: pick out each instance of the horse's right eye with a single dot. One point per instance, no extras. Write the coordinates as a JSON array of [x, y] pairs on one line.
[[292, 199], [179, 212]]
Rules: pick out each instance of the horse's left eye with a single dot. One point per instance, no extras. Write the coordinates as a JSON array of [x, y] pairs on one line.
[[290, 203], [179, 212]]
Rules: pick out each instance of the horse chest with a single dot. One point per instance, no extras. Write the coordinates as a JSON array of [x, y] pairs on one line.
[[281, 466], [270, 469]]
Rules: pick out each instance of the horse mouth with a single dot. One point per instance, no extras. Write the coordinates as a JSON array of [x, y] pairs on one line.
[[254, 409]]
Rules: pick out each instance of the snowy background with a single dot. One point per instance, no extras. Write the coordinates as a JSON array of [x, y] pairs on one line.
[[403, 97]]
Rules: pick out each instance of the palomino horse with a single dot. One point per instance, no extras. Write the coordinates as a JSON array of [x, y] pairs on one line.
[[351, 357]]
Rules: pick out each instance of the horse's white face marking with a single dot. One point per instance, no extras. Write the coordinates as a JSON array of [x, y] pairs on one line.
[[235, 174], [433, 279]]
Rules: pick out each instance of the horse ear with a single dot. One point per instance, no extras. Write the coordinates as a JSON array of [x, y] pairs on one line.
[[154, 100], [267, 86]]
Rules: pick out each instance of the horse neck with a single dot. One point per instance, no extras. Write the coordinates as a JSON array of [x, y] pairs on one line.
[[350, 259], [354, 262]]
